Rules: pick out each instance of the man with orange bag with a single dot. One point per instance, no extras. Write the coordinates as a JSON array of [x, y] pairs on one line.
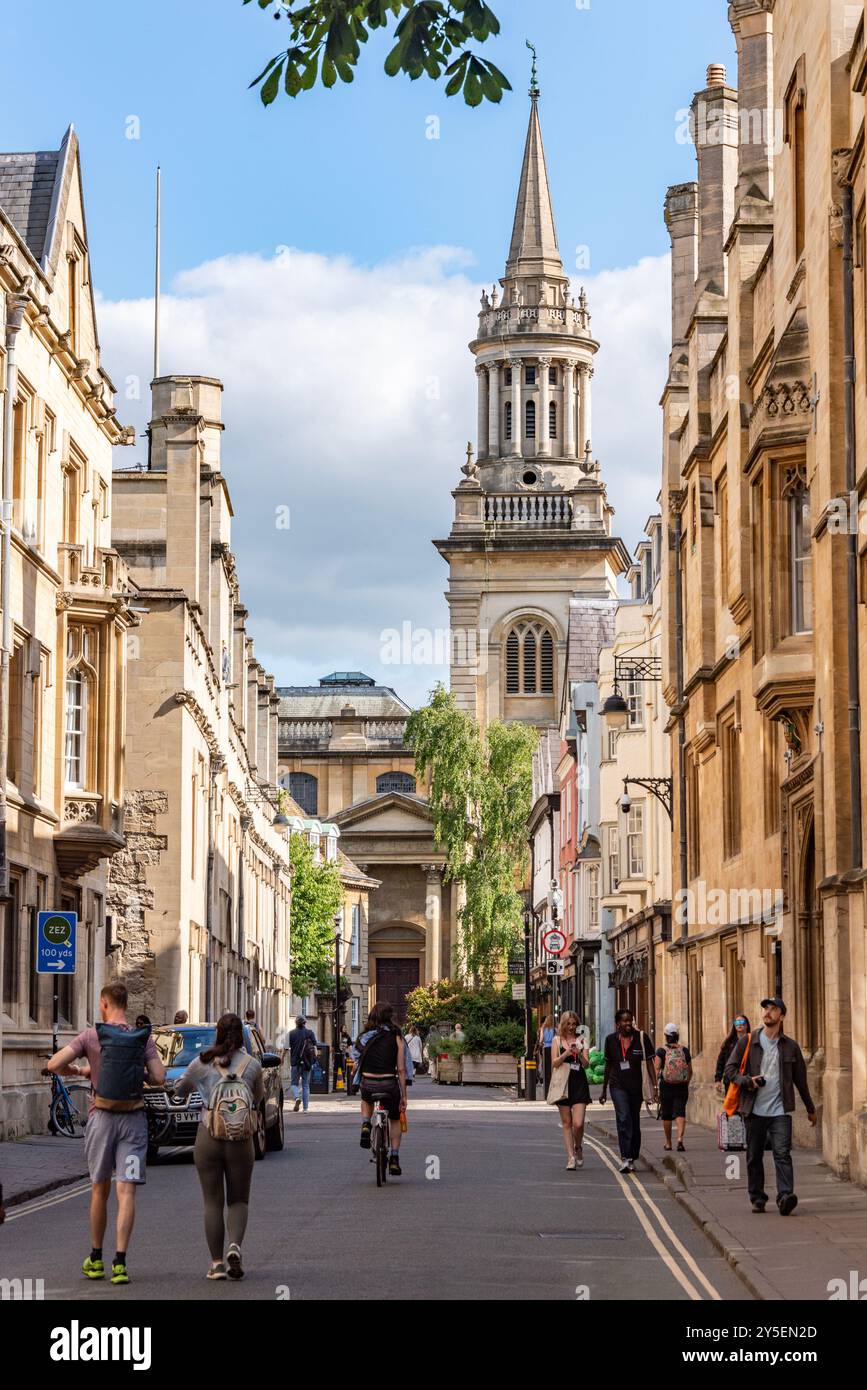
[[767, 1077]]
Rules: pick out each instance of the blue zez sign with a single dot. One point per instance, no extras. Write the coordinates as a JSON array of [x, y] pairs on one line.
[[55, 952]]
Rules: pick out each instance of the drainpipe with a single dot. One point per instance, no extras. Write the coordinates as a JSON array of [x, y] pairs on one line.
[[851, 538], [216, 767], [681, 721], [15, 306]]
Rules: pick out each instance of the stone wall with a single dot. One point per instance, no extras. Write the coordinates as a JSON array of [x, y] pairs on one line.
[[130, 895]]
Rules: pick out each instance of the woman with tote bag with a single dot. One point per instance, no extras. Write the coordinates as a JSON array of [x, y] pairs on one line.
[[569, 1089]]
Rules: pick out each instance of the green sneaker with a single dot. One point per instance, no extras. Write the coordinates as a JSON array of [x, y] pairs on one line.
[[119, 1274], [94, 1269]]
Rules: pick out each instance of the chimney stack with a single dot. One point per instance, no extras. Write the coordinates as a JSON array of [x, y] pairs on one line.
[[714, 127], [752, 23], [681, 219]]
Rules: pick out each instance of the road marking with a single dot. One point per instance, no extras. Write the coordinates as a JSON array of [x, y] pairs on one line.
[[676, 1241], [650, 1232], [40, 1203]]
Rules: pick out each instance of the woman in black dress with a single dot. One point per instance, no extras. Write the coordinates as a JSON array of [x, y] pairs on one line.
[[568, 1050]]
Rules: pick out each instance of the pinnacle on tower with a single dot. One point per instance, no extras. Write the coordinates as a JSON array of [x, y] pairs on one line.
[[534, 249]]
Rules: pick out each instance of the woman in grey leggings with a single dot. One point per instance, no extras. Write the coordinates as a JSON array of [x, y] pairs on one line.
[[224, 1166]]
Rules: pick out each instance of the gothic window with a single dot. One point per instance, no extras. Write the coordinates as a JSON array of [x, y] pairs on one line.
[[552, 419], [396, 782], [304, 789], [508, 420], [529, 660], [79, 712], [795, 135], [731, 778], [530, 420], [800, 557]]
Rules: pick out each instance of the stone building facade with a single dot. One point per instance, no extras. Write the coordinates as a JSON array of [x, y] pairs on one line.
[[66, 616], [343, 757], [760, 424], [200, 895], [635, 843]]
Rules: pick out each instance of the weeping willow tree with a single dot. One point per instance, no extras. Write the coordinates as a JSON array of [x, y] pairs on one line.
[[481, 796]]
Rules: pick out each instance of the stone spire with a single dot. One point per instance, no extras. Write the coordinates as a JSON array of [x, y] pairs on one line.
[[534, 250]]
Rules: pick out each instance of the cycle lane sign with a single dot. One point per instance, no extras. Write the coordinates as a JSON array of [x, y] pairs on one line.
[[56, 939]]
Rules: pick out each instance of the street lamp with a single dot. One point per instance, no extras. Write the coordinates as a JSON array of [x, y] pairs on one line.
[[254, 791], [615, 710]]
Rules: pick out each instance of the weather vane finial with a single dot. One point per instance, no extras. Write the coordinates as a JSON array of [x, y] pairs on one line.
[[534, 86]]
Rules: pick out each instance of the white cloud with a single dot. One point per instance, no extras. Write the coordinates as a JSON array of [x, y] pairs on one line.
[[349, 396]]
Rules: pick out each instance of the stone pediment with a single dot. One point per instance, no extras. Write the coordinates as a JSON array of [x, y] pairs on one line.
[[388, 813]]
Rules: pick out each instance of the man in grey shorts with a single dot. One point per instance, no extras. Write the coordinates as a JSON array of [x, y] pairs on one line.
[[115, 1141]]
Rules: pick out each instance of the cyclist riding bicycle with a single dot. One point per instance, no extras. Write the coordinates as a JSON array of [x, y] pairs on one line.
[[382, 1071]]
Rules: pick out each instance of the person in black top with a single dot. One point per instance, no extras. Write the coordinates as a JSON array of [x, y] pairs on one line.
[[674, 1073], [302, 1054], [740, 1028], [627, 1052], [381, 1067]]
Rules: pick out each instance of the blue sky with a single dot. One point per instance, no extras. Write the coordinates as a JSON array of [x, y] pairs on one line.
[[350, 170], [328, 352]]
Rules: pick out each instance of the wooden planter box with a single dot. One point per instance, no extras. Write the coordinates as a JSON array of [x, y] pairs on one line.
[[491, 1069], [447, 1070]]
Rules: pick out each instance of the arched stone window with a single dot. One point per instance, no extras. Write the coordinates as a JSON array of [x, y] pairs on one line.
[[529, 660], [304, 789], [552, 419], [396, 782], [530, 420], [508, 420]]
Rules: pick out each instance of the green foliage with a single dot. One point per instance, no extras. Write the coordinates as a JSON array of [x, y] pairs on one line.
[[497, 1037], [431, 40], [316, 897], [491, 1020], [481, 795]]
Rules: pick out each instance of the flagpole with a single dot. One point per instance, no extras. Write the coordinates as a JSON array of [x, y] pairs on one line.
[[157, 286]]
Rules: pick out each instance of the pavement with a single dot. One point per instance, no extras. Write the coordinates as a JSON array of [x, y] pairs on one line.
[[33, 1166], [778, 1258], [485, 1209]]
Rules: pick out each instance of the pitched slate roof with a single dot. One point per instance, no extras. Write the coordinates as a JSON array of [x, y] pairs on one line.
[[26, 194]]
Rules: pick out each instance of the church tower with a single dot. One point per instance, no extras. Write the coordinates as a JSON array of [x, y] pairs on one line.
[[531, 535]]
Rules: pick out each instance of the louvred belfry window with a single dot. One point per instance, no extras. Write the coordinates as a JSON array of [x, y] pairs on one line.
[[513, 664], [529, 660]]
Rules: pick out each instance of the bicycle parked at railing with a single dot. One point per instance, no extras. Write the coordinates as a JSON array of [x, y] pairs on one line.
[[67, 1108]]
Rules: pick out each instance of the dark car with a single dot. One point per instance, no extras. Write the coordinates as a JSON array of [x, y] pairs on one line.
[[175, 1122]]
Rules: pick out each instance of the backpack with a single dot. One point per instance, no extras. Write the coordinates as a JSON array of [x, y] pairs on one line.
[[121, 1067], [309, 1053], [231, 1114], [675, 1068]]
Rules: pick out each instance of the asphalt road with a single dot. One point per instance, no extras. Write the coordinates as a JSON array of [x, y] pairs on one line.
[[485, 1210]]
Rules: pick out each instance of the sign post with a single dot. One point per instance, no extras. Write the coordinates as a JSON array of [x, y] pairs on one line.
[[56, 940]]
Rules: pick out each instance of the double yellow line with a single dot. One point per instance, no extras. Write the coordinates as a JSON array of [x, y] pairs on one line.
[[673, 1264]]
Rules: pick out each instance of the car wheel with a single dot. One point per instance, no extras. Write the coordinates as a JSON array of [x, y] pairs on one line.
[[260, 1139], [274, 1136]]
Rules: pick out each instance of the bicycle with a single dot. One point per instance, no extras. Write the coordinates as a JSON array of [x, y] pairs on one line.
[[379, 1138], [68, 1106]]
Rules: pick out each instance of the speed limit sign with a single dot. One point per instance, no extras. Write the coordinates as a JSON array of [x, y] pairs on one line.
[[554, 941]]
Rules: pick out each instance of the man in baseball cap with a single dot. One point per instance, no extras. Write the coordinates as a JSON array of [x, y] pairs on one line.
[[767, 1077]]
